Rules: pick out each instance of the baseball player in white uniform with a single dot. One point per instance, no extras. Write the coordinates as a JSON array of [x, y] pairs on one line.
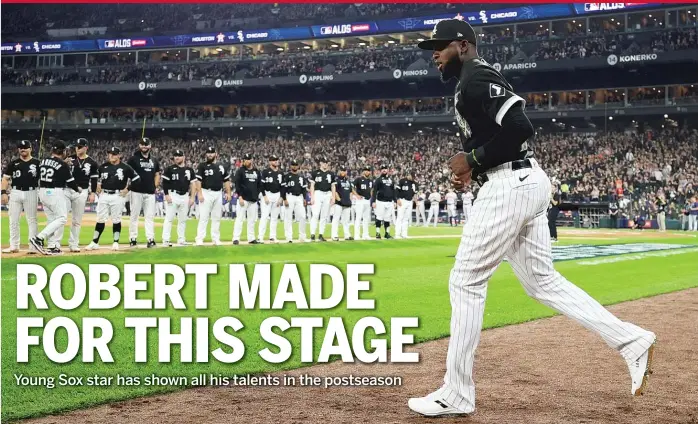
[[143, 192], [363, 186], [509, 220], [85, 170], [434, 199], [467, 198], [341, 212], [272, 179], [23, 174], [213, 179], [249, 188], [420, 215], [383, 199], [112, 189], [179, 187], [322, 194], [451, 200], [406, 193]]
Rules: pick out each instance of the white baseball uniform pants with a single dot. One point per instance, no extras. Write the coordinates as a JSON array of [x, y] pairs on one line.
[[75, 203], [451, 210], [146, 202], [246, 213], [270, 214], [403, 218], [693, 222], [509, 221], [295, 207], [466, 213], [661, 221], [320, 211], [159, 208], [209, 208], [341, 214], [110, 206], [433, 211], [27, 201], [179, 208], [420, 216], [384, 210], [362, 218], [54, 202]]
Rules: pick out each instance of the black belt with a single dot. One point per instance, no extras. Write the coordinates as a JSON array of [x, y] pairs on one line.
[[23, 188], [515, 166], [110, 191], [211, 189], [181, 193]]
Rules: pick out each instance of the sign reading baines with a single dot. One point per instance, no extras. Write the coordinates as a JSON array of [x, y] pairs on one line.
[[482, 17]]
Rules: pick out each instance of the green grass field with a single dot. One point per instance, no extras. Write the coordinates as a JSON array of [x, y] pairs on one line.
[[411, 280]]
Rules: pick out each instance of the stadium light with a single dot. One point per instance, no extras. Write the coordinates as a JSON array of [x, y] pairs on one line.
[[219, 49], [409, 124], [362, 125], [242, 127], [554, 119], [666, 116], [457, 134], [306, 47], [322, 126], [362, 43], [278, 127], [610, 118], [279, 49], [391, 41], [334, 45], [420, 39]]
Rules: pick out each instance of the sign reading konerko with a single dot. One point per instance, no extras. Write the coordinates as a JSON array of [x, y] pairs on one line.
[[613, 60]]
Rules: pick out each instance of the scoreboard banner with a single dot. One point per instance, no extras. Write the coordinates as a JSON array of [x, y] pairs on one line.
[[240, 36]]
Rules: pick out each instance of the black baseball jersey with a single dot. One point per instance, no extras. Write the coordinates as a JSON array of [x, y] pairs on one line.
[[613, 207], [343, 191], [557, 197], [146, 167], [24, 174], [248, 184], [482, 99], [85, 171], [293, 184], [384, 189], [212, 175], [406, 189], [115, 177], [55, 173], [177, 178], [323, 180], [272, 180], [661, 205], [363, 187]]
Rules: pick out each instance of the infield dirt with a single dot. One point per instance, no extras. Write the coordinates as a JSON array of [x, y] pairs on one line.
[[545, 371]]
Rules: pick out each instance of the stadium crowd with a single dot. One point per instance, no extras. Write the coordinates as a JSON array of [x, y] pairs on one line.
[[355, 59], [629, 168]]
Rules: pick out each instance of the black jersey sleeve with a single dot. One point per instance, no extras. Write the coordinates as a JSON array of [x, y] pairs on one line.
[[132, 174], [487, 89]]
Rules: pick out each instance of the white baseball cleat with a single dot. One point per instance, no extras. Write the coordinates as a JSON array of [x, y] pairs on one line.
[[183, 243], [199, 243], [115, 246], [434, 405], [74, 248], [10, 250], [166, 244], [92, 246], [640, 370]]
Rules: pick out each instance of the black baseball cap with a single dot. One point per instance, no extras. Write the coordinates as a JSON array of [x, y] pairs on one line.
[[247, 156], [384, 166], [24, 144], [145, 141], [210, 149], [58, 147], [342, 168], [178, 153], [114, 151], [367, 168], [81, 142], [273, 157], [322, 159], [449, 30], [294, 162]]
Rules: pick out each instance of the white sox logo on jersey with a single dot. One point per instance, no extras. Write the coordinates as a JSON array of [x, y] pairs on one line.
[[188, 174], [32, 170], [120, 174], [462, 123], [87, 168], [221, 169]]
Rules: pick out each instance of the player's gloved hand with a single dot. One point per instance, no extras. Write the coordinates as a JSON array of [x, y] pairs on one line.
[[168, 199], [460, 168]]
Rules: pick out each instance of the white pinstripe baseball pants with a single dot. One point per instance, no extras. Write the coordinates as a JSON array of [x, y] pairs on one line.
[[270, 214], [146, 202], [509, 220], [27, 201]]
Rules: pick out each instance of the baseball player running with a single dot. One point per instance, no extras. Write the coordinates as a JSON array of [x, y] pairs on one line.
[[23, 174], [406, 191], [508, 220], [248, 186], [322, 194], [451, 199], [467, 199], [143, 191], [112, 189], [85, 170], [293, 191], [271, 206], [382, 201], [420, 215], [212, 178], [342, 205], [179, 188], [434, 200], [363, 186], [54, 177]]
